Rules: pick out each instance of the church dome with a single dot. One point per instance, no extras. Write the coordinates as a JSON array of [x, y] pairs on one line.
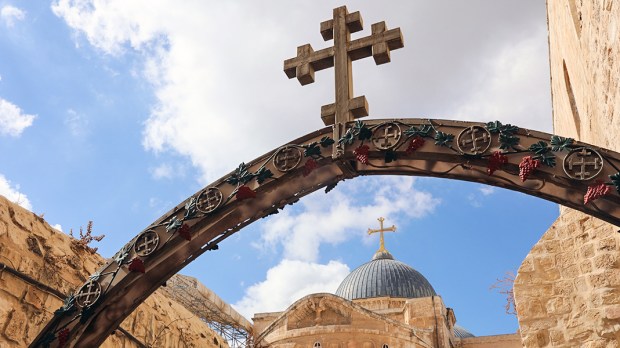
[[384, 277]]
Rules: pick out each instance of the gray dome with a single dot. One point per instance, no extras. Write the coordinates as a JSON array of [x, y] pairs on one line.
[[462, 332], [383, 277]]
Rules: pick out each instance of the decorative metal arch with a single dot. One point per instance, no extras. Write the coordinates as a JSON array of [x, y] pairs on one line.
[[561, 170]]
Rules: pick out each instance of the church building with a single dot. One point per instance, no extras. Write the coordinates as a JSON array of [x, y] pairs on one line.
[[384, 303]]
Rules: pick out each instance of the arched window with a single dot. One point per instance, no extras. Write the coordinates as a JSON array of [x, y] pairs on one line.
[[385, 346], [317, 344]]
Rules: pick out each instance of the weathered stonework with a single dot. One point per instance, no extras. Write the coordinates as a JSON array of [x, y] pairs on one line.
[[31, 247], [568, 295], [568, 288]]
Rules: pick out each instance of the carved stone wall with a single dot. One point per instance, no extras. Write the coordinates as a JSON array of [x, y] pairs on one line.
[[34, 252], [568, 288]]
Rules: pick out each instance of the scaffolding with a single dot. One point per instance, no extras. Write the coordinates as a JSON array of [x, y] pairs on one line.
[[209, 307]]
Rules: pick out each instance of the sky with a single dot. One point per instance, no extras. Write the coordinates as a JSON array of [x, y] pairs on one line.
[[115, 111]]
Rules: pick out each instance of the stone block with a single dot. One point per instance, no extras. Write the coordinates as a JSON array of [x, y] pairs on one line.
[[558, 305], [570, 272], [12, 285], [563, 288], [610, 296], [533, 309], [35, 297], [607, 244], [612, 312], [568, 244], [606, 261], [552, 246], [545, 263], [599, 280], [566, 259], [587, 250], [581, 284], [556, 337], [582, 238], [579, 334], [585, 266], [527, 265], [14, 328]]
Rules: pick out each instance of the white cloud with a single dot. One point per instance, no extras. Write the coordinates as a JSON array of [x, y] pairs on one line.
[[289, 281], [12, 193], [511, 73], [216, 70], [167, 171], [58, 227], [12, 120], [77, 123], [486, 190], [10, 14], [343, 215]]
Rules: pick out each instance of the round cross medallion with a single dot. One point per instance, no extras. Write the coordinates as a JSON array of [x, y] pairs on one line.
[[146, 243], [287, 158], [583, 163], [209, 200], [386, 136], [88, 294], [474, 140]]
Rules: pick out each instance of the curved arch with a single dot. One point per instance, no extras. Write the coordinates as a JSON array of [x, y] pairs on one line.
[[550, 167]]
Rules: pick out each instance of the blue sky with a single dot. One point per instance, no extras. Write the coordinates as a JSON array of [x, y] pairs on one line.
[[115, 111]]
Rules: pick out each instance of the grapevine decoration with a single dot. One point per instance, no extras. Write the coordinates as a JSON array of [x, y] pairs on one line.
[[561, 144], [359, 131], [443, 139], [184, 232], [173, 224], [309, 166], [244, 193], [496, 160], [137, 265], [543, 153], [361, 154], [615, 180], [190, 208], [424, 131], [416, 143], [390, 156], [527, 166], [596, 191], [507, 138], [68, 306], [63, 337]]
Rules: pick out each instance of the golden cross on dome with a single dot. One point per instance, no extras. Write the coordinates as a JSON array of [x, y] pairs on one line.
[[346, 107], [381, 230]]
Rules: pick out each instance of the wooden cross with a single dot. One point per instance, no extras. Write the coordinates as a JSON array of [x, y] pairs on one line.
[[381, 230], [378, 44]]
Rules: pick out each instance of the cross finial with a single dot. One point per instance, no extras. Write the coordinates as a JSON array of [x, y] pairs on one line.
[[381, 230], [378, 44]]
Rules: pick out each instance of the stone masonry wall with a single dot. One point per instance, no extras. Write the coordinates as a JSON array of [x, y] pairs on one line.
[[568, 288], [29, 245]]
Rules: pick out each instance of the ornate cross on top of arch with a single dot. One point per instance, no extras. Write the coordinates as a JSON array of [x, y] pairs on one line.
[[381, 230], [378, 44]]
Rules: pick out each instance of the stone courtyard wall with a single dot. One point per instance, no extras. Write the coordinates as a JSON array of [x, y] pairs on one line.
[[567, 290], [31, 251]]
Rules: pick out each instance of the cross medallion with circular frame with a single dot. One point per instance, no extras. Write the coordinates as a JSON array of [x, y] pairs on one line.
[[386, 136], [474, 140], [583, 163], [88, 294], [209, 200], [146, 243], [287, 158]]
